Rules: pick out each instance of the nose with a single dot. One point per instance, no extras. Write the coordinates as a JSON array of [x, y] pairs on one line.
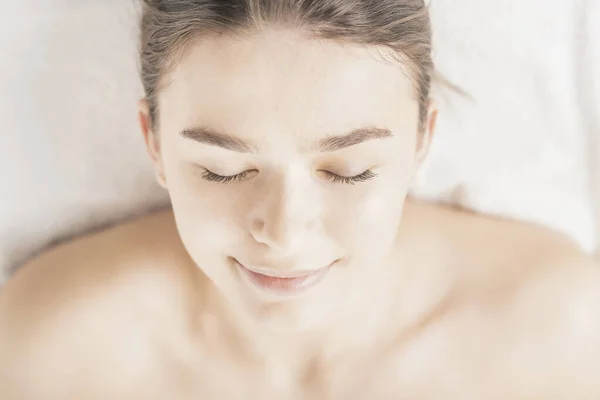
[[288, 215]]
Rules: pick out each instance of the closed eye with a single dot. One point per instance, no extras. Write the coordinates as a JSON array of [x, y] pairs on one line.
[[212, 177], [350, 180], [333, 178]]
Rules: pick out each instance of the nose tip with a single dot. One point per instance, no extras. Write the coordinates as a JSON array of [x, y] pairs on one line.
[[287, 214]]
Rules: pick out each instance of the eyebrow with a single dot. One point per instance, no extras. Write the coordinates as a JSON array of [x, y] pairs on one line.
[[213, 138], [360, 135], [328, 144]]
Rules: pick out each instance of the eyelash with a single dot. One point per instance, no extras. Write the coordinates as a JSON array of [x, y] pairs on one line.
[[350, 180], [334, 178], [212, 177]]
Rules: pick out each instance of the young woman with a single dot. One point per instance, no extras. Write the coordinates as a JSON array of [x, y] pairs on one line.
[[291, 265]]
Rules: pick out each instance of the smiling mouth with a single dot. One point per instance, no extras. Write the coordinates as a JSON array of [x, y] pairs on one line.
[[282, 283]]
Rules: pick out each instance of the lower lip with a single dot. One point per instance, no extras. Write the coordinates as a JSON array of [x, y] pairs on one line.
[[285, 286]]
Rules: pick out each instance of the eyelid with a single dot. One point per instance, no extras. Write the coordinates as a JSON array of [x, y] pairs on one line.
[[213, 177], [333, 177], [350, 180]]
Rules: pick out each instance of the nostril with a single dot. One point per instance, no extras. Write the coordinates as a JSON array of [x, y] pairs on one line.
[[259, 233]]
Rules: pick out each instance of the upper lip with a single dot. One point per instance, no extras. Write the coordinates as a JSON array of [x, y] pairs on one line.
[[273, 273]]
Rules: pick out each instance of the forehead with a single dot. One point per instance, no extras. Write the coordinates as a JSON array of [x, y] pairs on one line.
[[278, 81]]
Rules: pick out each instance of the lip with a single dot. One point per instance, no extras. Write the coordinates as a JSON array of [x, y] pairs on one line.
[[284, 283]]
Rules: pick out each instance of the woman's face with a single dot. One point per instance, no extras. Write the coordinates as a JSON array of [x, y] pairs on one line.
[[287, 155]]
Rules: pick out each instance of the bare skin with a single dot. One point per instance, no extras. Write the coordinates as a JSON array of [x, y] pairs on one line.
[[138, 320], [217, 299]]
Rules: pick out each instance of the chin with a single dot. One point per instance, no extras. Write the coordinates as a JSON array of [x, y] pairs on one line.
[[298, 317], [299, 313]]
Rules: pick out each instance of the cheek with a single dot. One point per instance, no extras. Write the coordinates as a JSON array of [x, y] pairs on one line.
[[366, 221], [207, 213]]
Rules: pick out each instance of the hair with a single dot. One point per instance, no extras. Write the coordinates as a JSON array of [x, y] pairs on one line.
[[403, 26]]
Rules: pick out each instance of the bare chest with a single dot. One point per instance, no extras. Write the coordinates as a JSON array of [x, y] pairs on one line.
[[428, 368], [458, 356], [232, 382]]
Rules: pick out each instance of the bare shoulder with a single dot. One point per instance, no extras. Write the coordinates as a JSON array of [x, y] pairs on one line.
[[525, 306], [100, 300], [555, 316], [534, 339], [120, 264], [538, 297]]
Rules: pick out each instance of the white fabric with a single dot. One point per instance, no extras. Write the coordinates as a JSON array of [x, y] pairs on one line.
[[526, 146], [71, 155]]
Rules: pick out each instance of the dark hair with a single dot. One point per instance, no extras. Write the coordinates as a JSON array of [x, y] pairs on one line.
[[403, 26]]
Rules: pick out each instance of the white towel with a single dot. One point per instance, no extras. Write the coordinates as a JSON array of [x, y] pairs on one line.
[[526, 145]]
